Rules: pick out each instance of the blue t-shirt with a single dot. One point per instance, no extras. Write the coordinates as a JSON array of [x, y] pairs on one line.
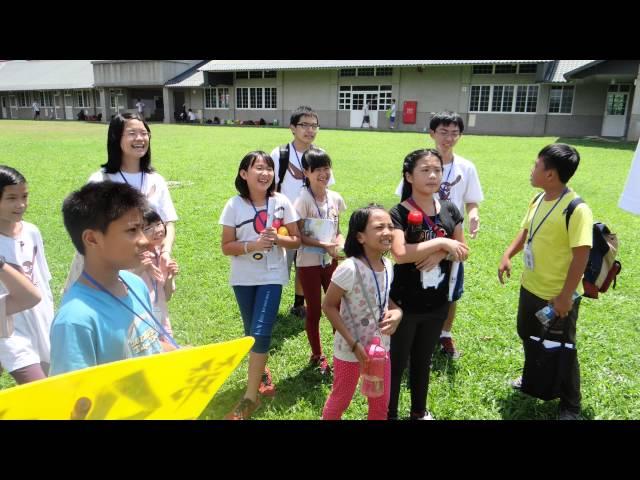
[[92, 328]]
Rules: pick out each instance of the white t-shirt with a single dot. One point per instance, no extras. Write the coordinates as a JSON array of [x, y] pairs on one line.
[[30, 342], [153, 186], [365, 110], [292, 183], [140, 106], [257, 268], [354, 311], [192, 116], [630, 199], [36, 107], [393, 109], [460, 180], [306, 207]]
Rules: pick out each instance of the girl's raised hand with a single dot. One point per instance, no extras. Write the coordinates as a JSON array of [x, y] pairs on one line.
[[458, 250], [390, 322]]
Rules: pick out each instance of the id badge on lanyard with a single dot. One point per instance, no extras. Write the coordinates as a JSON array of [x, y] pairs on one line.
[[528, 256]]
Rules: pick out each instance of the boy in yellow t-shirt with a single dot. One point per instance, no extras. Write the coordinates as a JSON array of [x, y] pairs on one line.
[[555, 258]]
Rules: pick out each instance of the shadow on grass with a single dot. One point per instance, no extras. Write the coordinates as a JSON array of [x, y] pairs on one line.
[[222, 403], [519, 406], [445, 365], [286, 326], [598, 143]]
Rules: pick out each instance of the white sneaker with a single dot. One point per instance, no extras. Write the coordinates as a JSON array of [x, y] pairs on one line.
[[426, 416]]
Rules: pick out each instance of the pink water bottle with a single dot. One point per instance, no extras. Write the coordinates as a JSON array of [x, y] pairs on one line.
[[372, 384]]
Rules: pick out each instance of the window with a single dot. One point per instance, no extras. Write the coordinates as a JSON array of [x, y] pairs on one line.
[[23, 99], [270, 97], [256, 74], [84, 99], [482, 69], [527, 68], [344, 98], [366, 72], [242, 98], [216, 97], [351, 97], [96, 95], [561, 99], [257, 98], [114, 101], [479, 99], [45, 99], [506, 68], [502, 99], [526, 98]]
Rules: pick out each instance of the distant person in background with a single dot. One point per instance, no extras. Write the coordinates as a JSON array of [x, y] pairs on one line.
[[81, 115], [392, 114], [36, 110], [192, 116], [140, 106], [366, 119]]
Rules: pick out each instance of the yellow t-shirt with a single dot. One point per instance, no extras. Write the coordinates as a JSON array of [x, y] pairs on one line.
[[552, 244]]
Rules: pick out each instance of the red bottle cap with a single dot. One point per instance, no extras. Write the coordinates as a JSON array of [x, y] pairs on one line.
[[415, 218], [277, 223]]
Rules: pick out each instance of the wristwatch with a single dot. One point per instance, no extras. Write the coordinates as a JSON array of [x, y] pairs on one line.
[[2, 261]]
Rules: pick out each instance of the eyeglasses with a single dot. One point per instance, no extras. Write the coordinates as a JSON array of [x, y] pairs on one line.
[[306, 126], [445, 134], [158, 227], [133, 134]]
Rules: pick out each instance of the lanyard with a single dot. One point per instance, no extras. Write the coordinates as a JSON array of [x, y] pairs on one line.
[[125, 180], [531, 234], [314, 201], [297, 157], [154, 282], [441, 191], [438, 230], [100, 287], [381, 303], [266, 210]]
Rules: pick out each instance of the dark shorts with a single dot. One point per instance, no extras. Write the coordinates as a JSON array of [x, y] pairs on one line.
[[366, 119], [459, 288]]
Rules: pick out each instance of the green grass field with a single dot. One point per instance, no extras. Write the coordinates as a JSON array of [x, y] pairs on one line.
[[58, 157]]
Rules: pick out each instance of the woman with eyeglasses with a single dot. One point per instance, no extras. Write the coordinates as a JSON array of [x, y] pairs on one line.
[[129, 161]]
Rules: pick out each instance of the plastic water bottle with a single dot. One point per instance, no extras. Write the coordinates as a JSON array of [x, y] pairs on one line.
[[415, 227], [373, 376]]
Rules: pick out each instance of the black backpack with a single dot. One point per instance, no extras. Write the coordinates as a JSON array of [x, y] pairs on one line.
[[284, 164], [602, 268]]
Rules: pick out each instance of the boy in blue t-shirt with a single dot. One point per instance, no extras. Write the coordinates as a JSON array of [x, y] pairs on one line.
[[106, 315]]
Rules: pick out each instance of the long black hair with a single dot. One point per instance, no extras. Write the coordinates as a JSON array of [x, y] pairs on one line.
[[114, 136], [409, 165], [358, 224]]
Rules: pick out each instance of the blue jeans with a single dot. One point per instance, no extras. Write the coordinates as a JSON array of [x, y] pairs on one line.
[[258, 306]]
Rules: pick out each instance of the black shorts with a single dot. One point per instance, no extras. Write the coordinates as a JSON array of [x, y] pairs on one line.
[[366, 118]]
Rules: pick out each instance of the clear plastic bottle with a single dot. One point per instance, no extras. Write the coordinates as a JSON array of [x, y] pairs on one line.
[[372, 385]]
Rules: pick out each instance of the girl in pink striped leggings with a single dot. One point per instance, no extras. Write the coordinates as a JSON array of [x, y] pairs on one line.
[[357, 305]]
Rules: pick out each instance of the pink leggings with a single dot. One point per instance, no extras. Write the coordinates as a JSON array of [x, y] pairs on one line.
[[345, 382]]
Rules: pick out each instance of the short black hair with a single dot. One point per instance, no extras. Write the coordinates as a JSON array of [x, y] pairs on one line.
[[149, 216], [446, 118], [314, 158], [300, 112], [561, 157], [114, 136], [9, 176], [247, 162], [358, 224], [409, 165], [96, 205]]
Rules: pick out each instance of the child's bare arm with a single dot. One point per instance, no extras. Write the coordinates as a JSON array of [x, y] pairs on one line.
[[22, 293], [474, 218], [563, 302], [516, 247]]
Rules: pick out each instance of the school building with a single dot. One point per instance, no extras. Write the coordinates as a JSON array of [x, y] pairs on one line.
[[499, 97]]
